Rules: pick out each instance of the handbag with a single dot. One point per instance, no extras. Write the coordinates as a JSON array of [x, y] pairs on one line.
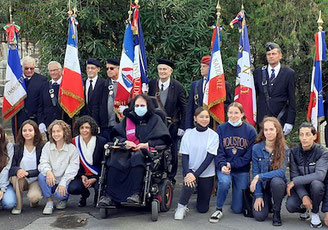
[[247, 203]]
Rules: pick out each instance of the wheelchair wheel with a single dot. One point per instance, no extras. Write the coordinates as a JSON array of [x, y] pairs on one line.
[[166, 192], [154, 210], [103, 213]]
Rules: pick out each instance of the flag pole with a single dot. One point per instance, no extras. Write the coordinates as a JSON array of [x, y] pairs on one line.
[[320, 28]]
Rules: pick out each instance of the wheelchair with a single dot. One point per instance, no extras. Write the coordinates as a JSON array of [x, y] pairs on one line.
[[157, 191]]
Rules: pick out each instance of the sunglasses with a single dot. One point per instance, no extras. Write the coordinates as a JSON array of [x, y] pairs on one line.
[[111, 68], [29, 68]]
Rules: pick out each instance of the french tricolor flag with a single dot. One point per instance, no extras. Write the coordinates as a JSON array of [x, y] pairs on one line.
[[316, 109]]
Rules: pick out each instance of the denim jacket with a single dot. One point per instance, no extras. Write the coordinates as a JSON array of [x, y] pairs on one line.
[[261, 166]]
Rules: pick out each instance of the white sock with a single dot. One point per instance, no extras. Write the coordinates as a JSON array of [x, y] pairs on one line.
[[315, 218], [181, 206]]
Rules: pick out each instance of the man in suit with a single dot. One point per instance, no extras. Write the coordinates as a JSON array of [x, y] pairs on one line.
[[275, 89], [196, 93], [108, 116], [171, 98], [93, 90], [50, 108], [34, 83]]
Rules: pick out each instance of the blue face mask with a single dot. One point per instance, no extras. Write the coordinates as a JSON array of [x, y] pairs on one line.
[[235, 124], [140, 111]]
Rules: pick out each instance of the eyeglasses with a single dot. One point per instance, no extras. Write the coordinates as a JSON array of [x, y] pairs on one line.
[[139, 105], [111, 68], [29, 68], [53, 70]]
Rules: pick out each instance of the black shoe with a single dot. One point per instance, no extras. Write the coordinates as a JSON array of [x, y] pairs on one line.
[[276, 219], [83, 201], [135, 198], [105, 201]]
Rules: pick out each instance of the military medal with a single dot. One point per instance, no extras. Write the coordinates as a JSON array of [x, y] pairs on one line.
[[111, 89]]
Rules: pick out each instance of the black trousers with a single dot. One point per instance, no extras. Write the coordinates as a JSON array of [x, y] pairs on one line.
[[204, 191], [76, 187], [275, 190], [316, 192]]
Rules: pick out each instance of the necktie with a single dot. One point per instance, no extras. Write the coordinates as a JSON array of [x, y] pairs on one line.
[[162, 87], [27, 82], [90, 91], [273, 75]]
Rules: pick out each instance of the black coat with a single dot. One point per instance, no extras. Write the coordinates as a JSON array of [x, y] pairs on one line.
[[47, 111], [281, 91], [17, 158], [32, 100], [93, 108], [196, 88], [175, 105], [97, 157]]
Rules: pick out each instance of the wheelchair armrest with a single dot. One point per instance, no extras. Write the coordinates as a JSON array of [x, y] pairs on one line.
[[160, 147]]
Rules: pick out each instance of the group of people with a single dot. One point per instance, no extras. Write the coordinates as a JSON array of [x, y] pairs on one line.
[[71, 166]]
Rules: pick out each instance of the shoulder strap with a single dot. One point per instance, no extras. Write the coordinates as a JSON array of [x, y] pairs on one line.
[[196, 96], [52, 94]]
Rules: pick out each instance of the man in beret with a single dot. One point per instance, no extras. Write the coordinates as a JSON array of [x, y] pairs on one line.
[[108, 117], [196, 93], [171, 98], [93, 90], [275, 89]]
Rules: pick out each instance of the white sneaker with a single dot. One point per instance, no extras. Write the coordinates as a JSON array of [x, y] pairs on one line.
[[61, 204], [48, 208], [15, 211], [216, 216], [315, 220], [180, 212]]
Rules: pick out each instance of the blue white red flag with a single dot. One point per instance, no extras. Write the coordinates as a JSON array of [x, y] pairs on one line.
[[215, 91], [245, 92], [71, 95], [316, 109], [15, 89]]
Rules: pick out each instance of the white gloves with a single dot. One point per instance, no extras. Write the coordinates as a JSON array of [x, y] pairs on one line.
[[121, 108], [42, 128], [180, 132], [287, 128]]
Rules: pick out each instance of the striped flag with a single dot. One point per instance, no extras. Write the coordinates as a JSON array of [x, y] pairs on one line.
[[245, 92], [71, 96], [215, 91], [15, 89], [315, 109]]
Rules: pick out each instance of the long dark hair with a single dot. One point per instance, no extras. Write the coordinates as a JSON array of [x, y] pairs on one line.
[[37, 141], [4, 158], [279, 153], [150, 106]]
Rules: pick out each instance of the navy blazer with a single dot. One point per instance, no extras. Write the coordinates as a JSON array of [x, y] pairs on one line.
[[32, 100], [97, 157], [47, 112], [281, 92], [175, 105], [196, 88], [17, 158], [93, 108]]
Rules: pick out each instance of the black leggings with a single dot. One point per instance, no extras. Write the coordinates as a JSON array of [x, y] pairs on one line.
[[204, 191]]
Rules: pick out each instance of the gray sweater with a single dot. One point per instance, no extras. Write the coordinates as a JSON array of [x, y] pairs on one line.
[[4, 181]]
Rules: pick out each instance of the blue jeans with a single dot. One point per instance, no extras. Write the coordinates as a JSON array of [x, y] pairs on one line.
[[48, 191], [239, 181], [9, 198]]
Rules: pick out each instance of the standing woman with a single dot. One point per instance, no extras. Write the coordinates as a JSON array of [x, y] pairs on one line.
[[24, 168], [59, 164], [270, 159], [198, 148], [233, 160], [7, 193], [91, 147]]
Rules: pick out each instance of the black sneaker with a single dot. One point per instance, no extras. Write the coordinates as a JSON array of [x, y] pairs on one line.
[[276, 219], [83, 201]]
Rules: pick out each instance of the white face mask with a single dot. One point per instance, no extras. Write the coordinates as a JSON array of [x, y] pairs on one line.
[[140, 111]]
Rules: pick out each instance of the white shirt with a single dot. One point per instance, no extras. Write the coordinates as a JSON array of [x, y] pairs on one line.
[[276, 70], [28, 162], [165, 84], [87, 84], [58, 81], [88, 149], [196, 144]]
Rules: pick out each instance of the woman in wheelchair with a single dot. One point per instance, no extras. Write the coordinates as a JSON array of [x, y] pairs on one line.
[[140, 129]]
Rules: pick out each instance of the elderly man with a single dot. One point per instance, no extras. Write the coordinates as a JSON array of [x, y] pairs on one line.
[[308, 170], [196, 93], [108, 117], [34, 83], [275, 89], [50, 108], [171, 98], [93, 90]]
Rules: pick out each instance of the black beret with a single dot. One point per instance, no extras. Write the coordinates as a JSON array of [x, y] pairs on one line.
[[113, 61], [271, 45], [93, 62], [165, 62]]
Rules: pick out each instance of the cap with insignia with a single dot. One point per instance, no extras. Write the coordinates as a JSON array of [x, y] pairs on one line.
[[93, 62], [165, 62], [113, 61], [271, 45]]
